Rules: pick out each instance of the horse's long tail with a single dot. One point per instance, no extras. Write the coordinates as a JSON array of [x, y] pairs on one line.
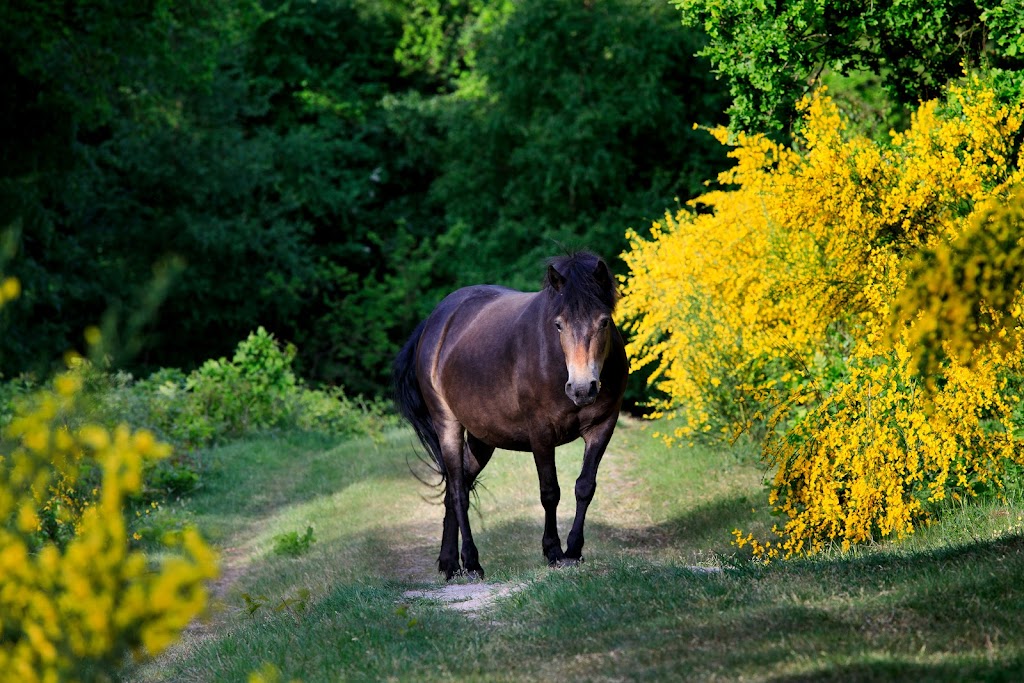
[[408, 399]]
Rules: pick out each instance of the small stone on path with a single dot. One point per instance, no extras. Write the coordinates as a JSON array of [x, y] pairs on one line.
[[705, 570]]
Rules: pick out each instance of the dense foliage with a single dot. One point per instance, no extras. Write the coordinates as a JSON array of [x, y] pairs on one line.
[[576, 122], [188, 171], [772, 312], [771, 54]]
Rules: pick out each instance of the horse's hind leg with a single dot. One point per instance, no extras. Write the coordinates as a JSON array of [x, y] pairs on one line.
[[448, 560], [450, 435], [475, 458]]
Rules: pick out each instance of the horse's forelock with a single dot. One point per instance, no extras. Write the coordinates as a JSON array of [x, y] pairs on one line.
[[581, 289]]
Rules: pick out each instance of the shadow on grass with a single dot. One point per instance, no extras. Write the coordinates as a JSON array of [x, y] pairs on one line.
[[952, 615], [1010, 671], [948, 615], [707, 526]]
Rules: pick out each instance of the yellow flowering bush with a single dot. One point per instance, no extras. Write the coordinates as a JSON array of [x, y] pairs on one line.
[[800, 300], [72, 611], [963, 294]]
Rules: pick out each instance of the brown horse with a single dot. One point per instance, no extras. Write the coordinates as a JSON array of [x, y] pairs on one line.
[[495, 368]]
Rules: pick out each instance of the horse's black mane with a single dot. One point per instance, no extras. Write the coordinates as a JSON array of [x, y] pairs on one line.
[[587, 285]]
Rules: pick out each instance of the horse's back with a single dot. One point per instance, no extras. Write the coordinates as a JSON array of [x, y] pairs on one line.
[[470, 301], [483, 312]]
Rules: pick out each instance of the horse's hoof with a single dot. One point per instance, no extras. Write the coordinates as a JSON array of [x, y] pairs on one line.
[[449, 571], [475, 574], [567, 562]]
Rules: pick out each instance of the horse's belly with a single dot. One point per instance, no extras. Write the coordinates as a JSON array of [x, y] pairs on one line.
[[506, 444], [518, 432], [498, 433]]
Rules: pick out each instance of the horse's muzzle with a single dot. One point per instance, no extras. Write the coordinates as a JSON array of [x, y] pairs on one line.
[[583, 393]]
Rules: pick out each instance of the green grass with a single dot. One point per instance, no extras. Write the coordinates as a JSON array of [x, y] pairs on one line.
[[947, 604]]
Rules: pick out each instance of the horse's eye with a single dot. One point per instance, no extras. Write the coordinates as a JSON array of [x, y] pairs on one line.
[[558, 325], [604, 323]]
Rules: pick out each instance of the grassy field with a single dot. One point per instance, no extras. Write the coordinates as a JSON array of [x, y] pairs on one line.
[[662, 594]]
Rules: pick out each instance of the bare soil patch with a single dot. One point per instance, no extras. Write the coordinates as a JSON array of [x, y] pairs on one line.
[[470, 598]]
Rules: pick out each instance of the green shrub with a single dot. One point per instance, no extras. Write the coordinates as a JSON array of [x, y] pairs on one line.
[[255, 390], [223, 399], [293, 545]]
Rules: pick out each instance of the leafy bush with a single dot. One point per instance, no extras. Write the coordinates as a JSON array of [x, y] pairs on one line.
[[293, 545], [252, 391], [775, 309], [224, 399], [331, 410]]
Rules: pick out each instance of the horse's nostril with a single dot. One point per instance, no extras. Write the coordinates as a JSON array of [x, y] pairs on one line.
[[594, 388]]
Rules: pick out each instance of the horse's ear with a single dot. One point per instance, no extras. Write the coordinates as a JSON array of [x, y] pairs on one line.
[[603, 276], [555, 279]]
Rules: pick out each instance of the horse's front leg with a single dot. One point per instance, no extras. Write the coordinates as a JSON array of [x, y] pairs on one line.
[[596, 442], [550, 494]]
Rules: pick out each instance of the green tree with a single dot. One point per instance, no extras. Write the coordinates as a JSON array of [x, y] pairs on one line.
[[771, 54], [79, 79], [350, 173], [440, 38], [576, 123], [256, 171]]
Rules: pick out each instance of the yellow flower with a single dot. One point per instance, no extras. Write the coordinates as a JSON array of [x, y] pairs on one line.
[[68, 384], [10, 289], [93, 336]]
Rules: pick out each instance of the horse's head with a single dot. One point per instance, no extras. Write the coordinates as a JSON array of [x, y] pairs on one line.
[[583, 297]]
